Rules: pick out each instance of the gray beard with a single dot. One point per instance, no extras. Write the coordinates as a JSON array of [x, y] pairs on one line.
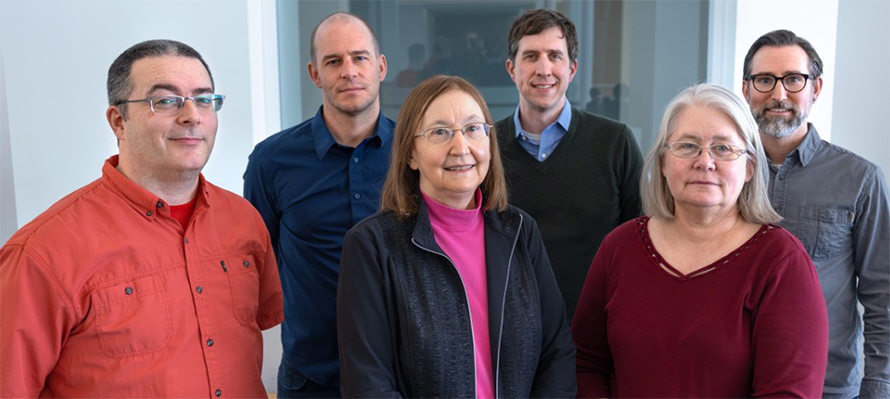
[[777, 126]]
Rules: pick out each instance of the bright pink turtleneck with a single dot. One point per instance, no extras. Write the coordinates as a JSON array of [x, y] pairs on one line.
[[461, 234]]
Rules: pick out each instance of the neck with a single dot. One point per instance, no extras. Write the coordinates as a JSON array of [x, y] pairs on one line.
[[348, 129], [700, 226], [777, 148], [534, 120], [174, 190]]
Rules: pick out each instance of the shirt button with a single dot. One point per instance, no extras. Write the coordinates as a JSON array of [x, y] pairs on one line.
[[246, 263], [128, 290], [544, 156], [199, 289], [186, 240], [148, 213], [781, 177], [355, 159], [159, 204], [357, 196], [218, 392], [209, 342]]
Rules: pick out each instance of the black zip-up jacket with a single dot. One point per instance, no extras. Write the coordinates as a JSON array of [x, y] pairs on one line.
[[403, 320]]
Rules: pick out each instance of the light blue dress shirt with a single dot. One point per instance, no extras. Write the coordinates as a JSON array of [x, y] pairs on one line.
[[542, 145]]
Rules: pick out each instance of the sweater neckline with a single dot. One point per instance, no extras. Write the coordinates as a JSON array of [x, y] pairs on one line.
[[452, 219], [664, 266]]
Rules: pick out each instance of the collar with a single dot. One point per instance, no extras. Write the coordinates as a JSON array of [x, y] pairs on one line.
[[324, 140], [808, 147], [563, 120], [451, 219], [143, 201]]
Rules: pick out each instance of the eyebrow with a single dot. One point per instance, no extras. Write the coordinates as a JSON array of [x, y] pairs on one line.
[[548, 51], [789, 72], [174, 89], [719, 137], [468, 119]]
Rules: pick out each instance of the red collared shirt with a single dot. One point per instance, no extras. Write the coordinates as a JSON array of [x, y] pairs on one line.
[[106, 295]]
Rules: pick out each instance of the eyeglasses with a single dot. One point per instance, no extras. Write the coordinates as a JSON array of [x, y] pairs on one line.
[[720, 152], [474, 131], [171, 105], [792, 83]]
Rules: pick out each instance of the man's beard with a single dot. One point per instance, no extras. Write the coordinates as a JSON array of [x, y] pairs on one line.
[[776, 125]]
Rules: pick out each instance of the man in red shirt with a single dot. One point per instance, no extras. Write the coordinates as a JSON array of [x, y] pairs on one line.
[[150, 281]]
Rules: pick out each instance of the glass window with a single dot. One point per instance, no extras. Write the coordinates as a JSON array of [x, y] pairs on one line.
[[634, 55]]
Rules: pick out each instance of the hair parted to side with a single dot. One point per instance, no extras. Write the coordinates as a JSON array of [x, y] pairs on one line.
[[536, 21], [784, 37], [344, 15], [119, 83], [753, 201], [401, 191]]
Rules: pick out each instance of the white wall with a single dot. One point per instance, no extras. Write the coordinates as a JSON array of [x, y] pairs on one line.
[[862, 80], [55, 59]]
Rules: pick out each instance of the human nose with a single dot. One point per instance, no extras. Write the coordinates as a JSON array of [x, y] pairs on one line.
[[543, 67], [349, 69], [459, 143], [189, 113], [778, 92], [704, 159]]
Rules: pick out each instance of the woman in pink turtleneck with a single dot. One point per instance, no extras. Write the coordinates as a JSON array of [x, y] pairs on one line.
[[448, 291]]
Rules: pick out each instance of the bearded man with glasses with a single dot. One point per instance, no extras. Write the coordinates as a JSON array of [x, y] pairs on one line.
[[150, 281], [835, 203]]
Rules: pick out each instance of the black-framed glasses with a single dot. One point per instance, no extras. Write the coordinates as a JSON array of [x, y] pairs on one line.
[[171, 105], [792, 82], [720, 152], [474, 131]]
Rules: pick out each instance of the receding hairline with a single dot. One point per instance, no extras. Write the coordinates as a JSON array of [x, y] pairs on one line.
[[342, 18]]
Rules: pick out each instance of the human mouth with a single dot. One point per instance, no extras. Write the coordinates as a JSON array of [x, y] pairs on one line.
[[459, 168], [544, 86], [187, 140]]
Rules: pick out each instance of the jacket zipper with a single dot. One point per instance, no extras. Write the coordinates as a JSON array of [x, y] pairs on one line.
[[469, 312], [497, 371]]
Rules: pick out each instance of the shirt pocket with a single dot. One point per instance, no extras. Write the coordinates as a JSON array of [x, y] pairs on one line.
[[825, 231], [244, 284], [133, 317]]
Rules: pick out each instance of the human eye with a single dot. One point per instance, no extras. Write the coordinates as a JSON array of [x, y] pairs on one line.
[[332, 62], [205, 100], [555, 56], [439, 132], [765, 79], [722, 149], [166, 101], [686, 146], [530, 56]]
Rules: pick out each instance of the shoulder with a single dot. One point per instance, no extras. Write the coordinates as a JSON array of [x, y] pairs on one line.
[[277, 142], [233, 203], [779, 250], [378, 225], [56, 223], [845, 160], [606, 129]]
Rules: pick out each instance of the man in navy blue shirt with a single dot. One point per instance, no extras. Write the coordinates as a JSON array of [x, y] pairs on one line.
[[311, 183]]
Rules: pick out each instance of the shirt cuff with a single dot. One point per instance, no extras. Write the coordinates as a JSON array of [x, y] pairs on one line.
[[874, 389]]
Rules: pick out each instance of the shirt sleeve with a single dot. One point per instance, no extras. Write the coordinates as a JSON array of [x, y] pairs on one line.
[[260, 192], [871, 235], [363, 314], [594, 359], [271, 309], [790, 331], [555, 377], [36, 316], [632, 165]]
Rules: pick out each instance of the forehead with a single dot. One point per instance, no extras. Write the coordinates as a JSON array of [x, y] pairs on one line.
[[343, 35], [186, 74], [549, 39], [452, 107], [779, 60], [705, 124]]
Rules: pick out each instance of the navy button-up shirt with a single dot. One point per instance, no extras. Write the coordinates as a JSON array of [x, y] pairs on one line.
[[310, 191]]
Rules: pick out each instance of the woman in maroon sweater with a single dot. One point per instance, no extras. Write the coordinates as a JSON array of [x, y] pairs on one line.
[[704, 296]]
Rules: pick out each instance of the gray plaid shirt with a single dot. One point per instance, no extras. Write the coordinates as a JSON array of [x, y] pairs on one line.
[[836, 203]]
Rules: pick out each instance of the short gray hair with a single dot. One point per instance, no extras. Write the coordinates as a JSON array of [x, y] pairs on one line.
[[119, 82], [753, 201]]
